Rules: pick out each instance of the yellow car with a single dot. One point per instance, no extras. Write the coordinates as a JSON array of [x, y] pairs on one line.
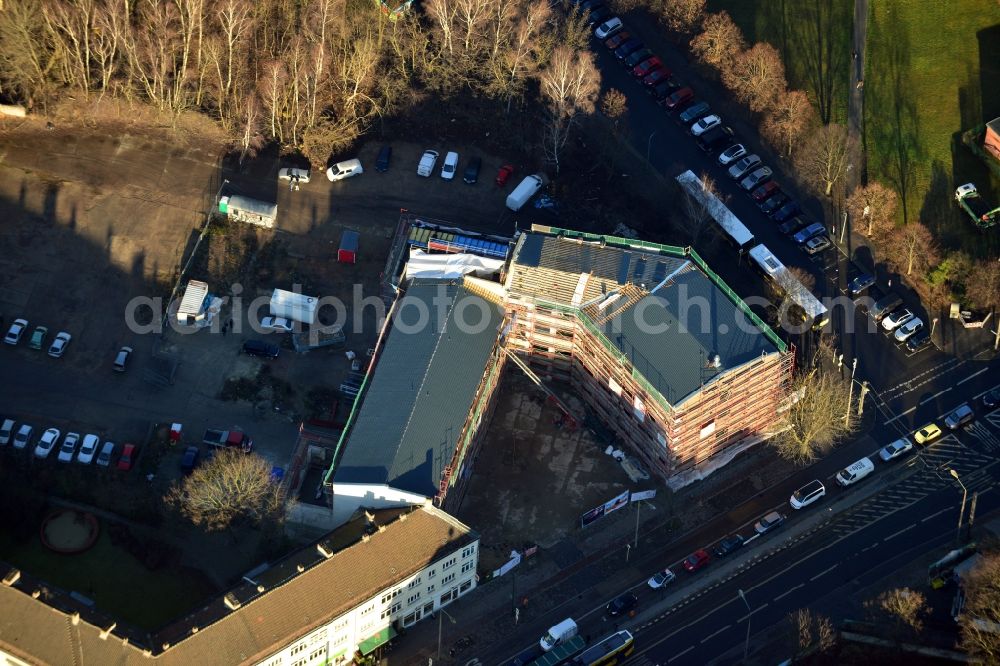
[[927, 434]]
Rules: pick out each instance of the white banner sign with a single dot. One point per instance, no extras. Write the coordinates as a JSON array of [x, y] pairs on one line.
[[643, 495]]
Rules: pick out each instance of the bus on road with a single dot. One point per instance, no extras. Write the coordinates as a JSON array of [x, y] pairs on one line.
[[608, 651]]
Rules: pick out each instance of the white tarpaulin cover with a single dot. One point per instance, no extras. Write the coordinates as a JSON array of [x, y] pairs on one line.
[[424, 265], [294, 306]]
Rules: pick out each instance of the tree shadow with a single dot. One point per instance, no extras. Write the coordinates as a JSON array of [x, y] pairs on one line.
[[891, 112], [821, 45], [989, 73]]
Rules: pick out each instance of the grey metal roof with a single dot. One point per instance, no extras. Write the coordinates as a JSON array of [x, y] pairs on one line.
[[422, 388], [671, 334]]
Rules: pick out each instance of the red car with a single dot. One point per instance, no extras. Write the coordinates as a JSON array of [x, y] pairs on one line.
[[679, 98], [765, 191], [617, 40], [128, 457], [647, 66], [696, 560], [504, 174], [656, 76]]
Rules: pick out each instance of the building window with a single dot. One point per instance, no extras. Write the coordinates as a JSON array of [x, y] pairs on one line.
[[318, 636], [370, 608], [448, 596], [318, 653], [386, 598], [299, 662], [414, 582], [428, 608], [468, 566], [298, 648], [468, 551], [410, 619], [412, 598], [274, 662], [449, 564], [447, 579], [432, 573], [430, 588], [464, 587]]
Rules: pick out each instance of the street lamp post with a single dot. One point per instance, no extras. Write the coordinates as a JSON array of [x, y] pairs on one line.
[[440, 617], [850, 392], [649, 145], [961, 511], [746, 646]]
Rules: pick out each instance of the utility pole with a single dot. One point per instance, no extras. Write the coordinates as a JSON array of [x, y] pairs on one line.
[[637, 504], [850, 392], [861, 398], [628, 550], [961, 511], [746, 646], [972, 515]]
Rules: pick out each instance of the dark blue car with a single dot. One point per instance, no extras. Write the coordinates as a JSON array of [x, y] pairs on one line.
[[628, 48], [790, 209]]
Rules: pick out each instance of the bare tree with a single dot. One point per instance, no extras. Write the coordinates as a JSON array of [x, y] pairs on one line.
[[569, 86], [614, 106], [697, 215], [818, 413], [789, 117], [905, 607], [803, 621], [443, 14], [825, 158], [826, 634], [982, 290], [756, 76], [682, 16], [719, 41], [912, 247], [25, 57], [874, 205], [231, 487], [518, 56], [981, 614]]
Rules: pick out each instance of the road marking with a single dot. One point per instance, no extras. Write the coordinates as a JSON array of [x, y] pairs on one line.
[[789, 591], [896, 534], [680, 654], [987, 391], [824, 572], [975, 374], [926, 400], [895, 418], [710, 637], [755, 610]]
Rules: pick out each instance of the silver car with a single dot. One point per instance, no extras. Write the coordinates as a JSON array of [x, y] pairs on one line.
[[742, 167], [757, 177], [895, 449]]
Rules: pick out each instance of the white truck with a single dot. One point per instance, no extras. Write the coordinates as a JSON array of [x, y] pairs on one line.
[[524, 191], [559, 633]]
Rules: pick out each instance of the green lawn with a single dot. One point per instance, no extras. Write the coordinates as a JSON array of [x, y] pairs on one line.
[[814, 38], [118, 583], [933, 70]]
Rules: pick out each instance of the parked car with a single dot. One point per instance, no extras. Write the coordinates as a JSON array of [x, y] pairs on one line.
[[68, 448], [716, 139], [503, 174], [960, 417], [383, 159], [728, 545], [927, 434], [608, 28], [345, 169], [189, 460], [766, 191], [260, 348], [450, 165], [271, 324], [294, 173], [637, 57], [771, 521], [663, 89], [755, 178], [6, 431], [991, 398], [656, 76], [121, 359], [678, 99], [88, 449], [58, 346], [803, 235], [744, 166], [904, 332], [128, 457], [598, 14], [817, 244], [918, 340], [732, 154], [15, 331], [705, 124], [471, 174], [47, 442], [790, 209], [774, 203], [38, 337], [895, 449], [622, 604], [896, 319], [696, 560], [693, 113], [791, 227], [812, 492], [646, 66], [860, 283], [617, 40], [661, 579], [627, 48], [23, 436], [104, 457], [427, 161]]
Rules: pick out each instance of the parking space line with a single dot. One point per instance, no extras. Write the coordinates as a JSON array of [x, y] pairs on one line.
[[975, 374], [926, 400]]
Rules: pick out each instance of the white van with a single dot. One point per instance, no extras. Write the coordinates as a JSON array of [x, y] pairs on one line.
[[345, 169], [524, 191], [559, 633], [855, 472]]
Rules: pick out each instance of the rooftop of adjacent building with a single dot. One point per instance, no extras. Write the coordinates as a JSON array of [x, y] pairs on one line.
[[658, 306], [306, 590]]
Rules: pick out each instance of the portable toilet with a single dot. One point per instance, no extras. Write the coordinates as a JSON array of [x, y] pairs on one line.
[[348, 252]]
